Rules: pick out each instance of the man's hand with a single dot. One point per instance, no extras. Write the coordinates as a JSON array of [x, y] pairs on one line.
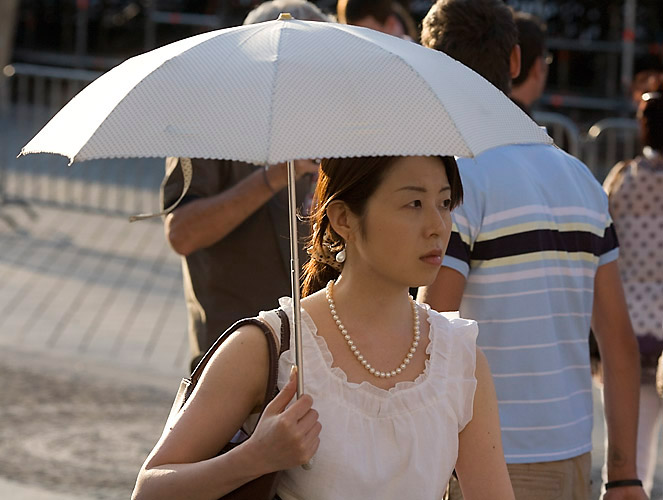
[[277, 175], [207, 220]]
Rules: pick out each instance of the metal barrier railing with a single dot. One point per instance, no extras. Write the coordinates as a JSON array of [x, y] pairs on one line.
[[609, 141], [560, 127], [118, 187], [156, 17]]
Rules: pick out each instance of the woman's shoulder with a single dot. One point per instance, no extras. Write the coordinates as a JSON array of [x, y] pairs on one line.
[[454, 343], [451, 322], [274, 319], [455, 339], [627, 172]]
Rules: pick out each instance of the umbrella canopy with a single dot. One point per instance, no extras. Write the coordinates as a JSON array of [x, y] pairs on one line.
[[285, 90]]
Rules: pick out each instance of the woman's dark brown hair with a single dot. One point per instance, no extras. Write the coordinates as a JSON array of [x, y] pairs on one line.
[[650, 116], [353, 181]]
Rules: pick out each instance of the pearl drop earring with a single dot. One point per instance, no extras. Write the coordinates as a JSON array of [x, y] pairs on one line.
[[340, 256]]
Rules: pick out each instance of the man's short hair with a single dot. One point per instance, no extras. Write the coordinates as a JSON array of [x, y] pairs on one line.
[[479, 33], [351, 11], [532, 41], [299, 9]]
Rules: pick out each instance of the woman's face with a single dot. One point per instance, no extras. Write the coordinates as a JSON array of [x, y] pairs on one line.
[[406, 225]]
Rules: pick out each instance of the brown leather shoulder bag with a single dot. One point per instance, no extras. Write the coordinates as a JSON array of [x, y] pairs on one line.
[[264, 487]]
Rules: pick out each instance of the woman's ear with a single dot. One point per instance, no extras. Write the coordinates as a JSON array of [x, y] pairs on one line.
[[340, 219], [514, 61]]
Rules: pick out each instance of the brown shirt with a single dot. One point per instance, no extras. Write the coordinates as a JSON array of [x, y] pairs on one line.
[[249, 269]]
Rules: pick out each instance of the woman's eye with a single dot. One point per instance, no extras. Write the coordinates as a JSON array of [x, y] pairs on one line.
[[446, 204], [415, 204]]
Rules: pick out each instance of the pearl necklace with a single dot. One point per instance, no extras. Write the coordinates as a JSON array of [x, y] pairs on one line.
[[358, 355]]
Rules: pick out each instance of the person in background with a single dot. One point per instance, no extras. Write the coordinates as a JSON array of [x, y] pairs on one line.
[[229, 209], [299, 9], [635, 192], [647, 74], [533, 258], [386, 16], [528, 86]]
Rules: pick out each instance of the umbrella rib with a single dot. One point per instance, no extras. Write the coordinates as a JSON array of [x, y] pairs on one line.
[[124, 97], [137, 84], [426, 84], [270, 114]]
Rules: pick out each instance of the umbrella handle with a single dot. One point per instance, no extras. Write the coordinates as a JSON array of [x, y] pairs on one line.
[[294, 284], [294, 277]]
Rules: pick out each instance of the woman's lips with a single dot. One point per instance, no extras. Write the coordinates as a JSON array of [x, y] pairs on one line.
[[433, 258]]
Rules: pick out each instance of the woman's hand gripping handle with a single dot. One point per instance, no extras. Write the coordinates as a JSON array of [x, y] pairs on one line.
[[287, 437]]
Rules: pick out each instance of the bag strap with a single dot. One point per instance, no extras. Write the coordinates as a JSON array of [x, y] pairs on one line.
[[272, 389], [285, 330], [274, 354], [187, 173]]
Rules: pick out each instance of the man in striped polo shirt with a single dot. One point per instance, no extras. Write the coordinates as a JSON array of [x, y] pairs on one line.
[[533, 259]]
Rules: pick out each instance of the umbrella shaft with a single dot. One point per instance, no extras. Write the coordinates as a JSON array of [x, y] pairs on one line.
[[294, 276]]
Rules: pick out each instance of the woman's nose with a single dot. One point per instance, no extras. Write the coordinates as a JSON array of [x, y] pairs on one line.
[[438, 222]]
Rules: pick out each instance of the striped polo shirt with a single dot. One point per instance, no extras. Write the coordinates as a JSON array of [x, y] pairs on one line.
[[529, 237]]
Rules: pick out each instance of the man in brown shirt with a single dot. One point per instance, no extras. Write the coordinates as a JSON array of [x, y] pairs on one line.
[[231, 229], [232, 226]]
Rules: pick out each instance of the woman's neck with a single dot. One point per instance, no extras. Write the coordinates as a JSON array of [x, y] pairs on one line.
[[386, 302]]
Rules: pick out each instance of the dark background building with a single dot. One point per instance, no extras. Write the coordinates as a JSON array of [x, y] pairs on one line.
[[589, 76]]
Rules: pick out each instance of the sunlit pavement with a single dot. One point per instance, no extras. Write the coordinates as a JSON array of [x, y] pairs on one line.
[[93, 342], [75, 429]]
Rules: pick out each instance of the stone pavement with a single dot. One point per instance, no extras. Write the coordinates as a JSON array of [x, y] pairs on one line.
[[93, 286], [92, 347], [75, 429]]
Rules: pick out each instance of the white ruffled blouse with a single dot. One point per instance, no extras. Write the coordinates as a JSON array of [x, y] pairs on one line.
[[388, 444]]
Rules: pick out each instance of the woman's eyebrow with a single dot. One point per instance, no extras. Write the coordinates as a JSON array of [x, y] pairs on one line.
[[420, 189]]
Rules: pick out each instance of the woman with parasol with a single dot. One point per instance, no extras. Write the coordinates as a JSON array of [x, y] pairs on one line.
[[397, 395]]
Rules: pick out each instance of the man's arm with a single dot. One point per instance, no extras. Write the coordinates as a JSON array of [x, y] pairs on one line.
[[621, 374], [204, 221], [446, 292]]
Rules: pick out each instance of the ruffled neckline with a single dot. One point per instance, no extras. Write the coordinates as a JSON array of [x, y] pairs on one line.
[[326, 355]]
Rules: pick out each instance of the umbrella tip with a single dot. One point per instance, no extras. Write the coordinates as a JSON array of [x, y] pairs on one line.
[[284, 16]]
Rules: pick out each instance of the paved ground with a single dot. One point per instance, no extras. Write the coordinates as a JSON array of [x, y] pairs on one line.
[[57, 271], [86, 388], [75, 430]]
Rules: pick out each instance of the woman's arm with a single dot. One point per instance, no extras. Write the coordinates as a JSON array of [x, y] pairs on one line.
[[480, 466], [184, 464]]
